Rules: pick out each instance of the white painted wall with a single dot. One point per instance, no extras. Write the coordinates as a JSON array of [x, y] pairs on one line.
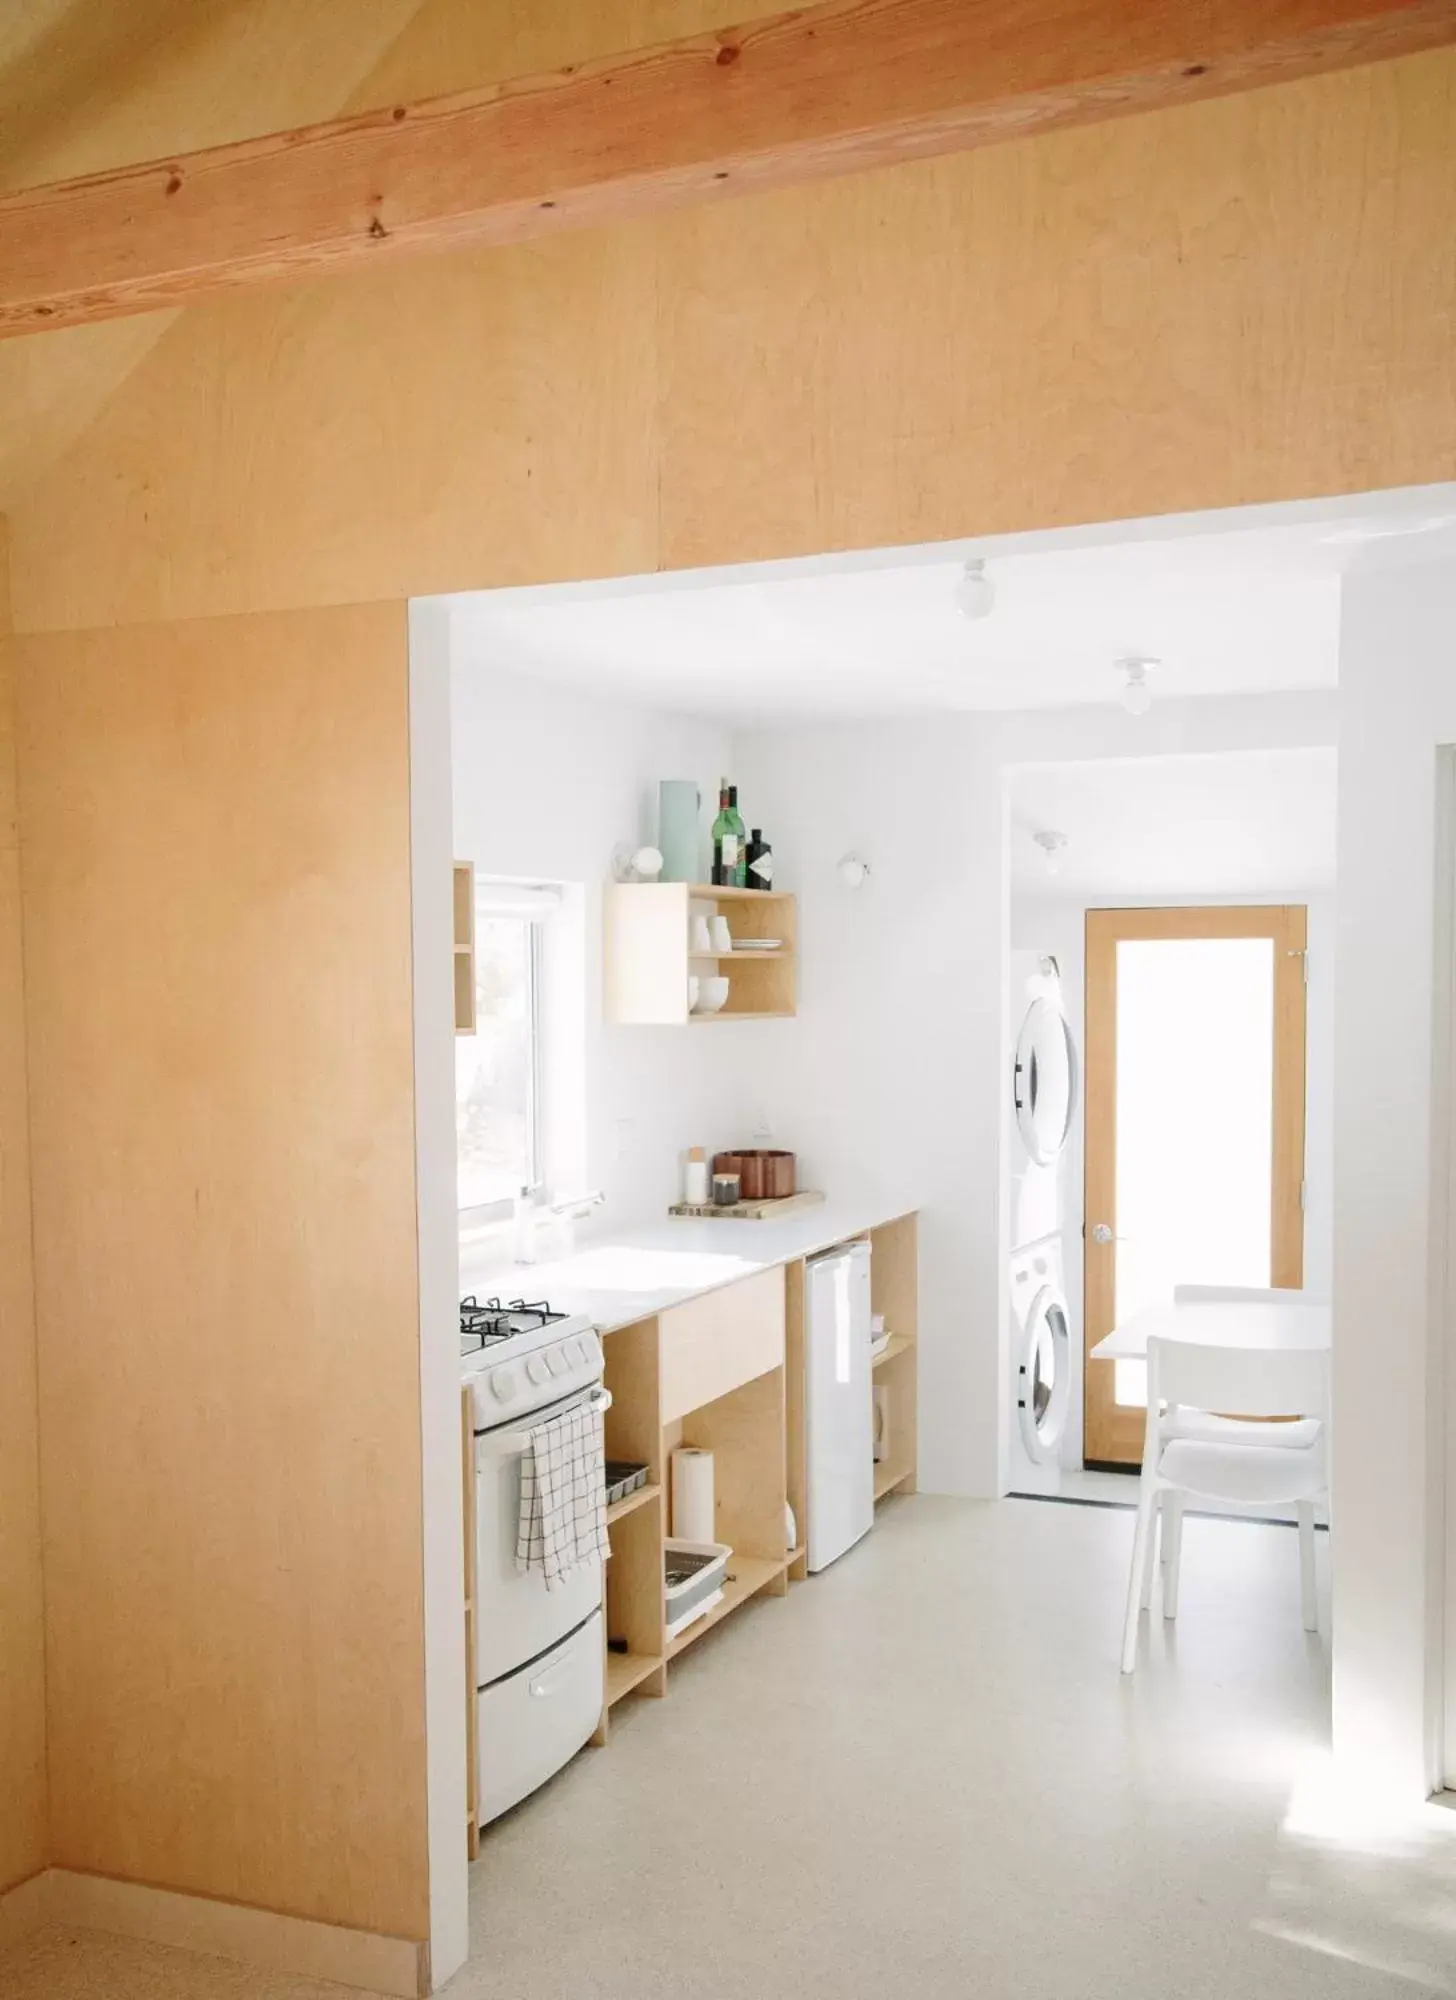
[[896, 1062], [547, 781], [1398, 703], [1058, 925]]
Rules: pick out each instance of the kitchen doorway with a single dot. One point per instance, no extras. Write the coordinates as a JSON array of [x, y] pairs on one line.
[[1195, 1124]]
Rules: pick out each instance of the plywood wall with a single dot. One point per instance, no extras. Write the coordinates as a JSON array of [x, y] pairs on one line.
[[1237, 301], [22, 1628], [216, 890]]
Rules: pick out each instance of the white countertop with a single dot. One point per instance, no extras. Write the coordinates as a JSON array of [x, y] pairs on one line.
[[618, 1276]]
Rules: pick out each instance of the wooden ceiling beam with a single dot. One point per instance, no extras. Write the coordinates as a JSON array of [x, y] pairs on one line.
[[828, 89]]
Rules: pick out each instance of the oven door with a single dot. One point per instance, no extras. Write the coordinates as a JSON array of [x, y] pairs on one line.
[[517, 1617]]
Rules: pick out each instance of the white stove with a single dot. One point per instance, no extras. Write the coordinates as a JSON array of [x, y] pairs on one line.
[[517, 1358], [539, 1653]]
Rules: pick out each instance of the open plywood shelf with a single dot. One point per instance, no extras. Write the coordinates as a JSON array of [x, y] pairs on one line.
[[711, 892], [743, 957], [747, 1575], [892, 1474], [620, 1509], [626, 1671], [648, 955], [463, 916], [898, 1345], [740, 1014]]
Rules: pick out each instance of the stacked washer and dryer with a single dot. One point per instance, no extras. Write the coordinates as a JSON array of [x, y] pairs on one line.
[[1044, 1085]]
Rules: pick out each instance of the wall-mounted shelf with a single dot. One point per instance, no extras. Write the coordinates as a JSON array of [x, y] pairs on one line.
[[648, 954], [897, 1346], [464, 930]]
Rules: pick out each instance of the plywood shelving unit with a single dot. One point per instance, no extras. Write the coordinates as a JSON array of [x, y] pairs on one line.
[[464, 933], [753, 1427], [894, 1291], [648, 953]]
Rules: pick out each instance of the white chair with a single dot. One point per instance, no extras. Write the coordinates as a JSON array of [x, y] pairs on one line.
[[1200, 1423], [1193, 1453]]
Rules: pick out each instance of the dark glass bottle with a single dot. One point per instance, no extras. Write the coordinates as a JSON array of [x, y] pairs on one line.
[[759, 861], [738, 875]]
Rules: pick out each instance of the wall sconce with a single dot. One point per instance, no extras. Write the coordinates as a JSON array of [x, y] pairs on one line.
[[1053, 845]]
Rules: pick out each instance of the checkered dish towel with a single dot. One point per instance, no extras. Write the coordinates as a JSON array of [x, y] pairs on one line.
[[563, 1518]]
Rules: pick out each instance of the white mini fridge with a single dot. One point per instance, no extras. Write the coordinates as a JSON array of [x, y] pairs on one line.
[[839, 1402]]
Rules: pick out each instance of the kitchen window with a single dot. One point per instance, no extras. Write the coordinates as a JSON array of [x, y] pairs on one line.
[[498, 1114]]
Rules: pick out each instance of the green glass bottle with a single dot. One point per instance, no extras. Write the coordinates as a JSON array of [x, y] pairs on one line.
[[727, 839], [739, 877]]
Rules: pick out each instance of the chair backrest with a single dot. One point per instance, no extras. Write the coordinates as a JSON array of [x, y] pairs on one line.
[[1212, 1295], [1238, 1381]]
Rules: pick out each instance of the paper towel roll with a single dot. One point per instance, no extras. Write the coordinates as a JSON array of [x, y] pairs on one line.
[[692, 1495]]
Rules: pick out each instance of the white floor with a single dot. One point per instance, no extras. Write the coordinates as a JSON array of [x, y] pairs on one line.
[[922, 1775]]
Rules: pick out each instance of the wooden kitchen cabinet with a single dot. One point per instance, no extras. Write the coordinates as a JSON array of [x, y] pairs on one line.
[[648, 954]]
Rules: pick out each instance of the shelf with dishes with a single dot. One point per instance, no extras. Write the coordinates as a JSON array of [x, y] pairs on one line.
[[675, 952]]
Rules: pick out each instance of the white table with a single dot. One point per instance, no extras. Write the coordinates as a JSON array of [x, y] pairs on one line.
[[1290, 1327]]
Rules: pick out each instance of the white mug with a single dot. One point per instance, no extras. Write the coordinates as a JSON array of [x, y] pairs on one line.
[[700, 940], [722, 936]]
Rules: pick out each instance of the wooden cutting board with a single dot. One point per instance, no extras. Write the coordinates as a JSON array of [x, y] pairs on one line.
[[748, 1211]]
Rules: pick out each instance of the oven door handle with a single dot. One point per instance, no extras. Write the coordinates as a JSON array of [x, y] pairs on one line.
[[511, 1444]]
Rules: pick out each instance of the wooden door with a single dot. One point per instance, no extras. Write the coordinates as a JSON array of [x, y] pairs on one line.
[[1114, 1431]]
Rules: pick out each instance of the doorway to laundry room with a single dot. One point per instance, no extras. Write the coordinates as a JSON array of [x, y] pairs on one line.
[[1183, 907]]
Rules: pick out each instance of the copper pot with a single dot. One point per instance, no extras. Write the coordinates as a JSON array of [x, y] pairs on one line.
[[765, 1175]]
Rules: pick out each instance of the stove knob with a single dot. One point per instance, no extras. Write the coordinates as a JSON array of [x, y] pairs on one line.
[[556, 1361], [580, 1353], [503, 1384], [536, 1368]]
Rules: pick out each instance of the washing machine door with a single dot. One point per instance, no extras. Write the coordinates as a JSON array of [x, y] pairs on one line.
[[1044, 1375], [1044, 1081]]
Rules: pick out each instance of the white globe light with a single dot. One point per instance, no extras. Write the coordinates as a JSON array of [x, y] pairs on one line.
[[1137, 696], [975, 593]]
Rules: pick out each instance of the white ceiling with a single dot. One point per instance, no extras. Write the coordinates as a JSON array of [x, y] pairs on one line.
[[1246, 824], [1225, 606]]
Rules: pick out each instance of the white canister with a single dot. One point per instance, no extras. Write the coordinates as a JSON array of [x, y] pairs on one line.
[[695, 1179]]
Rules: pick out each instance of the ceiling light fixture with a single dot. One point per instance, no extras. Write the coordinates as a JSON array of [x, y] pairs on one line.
[[1137, 696], [975, 593], [1053, 845]]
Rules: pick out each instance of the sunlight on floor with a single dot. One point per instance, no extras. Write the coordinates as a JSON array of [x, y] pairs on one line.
[[1366, 1878]]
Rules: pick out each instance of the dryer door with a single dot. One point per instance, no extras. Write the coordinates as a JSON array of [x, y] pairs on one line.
[[1044, 1082], [1044, 1375]]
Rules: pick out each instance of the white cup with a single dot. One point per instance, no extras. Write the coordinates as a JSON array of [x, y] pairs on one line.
[[722, 936], [700, 940]]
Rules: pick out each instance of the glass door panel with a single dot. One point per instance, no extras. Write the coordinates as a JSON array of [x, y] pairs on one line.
[[1194, 1071], [1194, 1121]]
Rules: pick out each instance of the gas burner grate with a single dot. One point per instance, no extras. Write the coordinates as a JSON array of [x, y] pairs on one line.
[[490, 1324]]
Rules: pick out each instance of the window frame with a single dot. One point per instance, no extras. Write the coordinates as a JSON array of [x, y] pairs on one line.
[[533, 905]]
